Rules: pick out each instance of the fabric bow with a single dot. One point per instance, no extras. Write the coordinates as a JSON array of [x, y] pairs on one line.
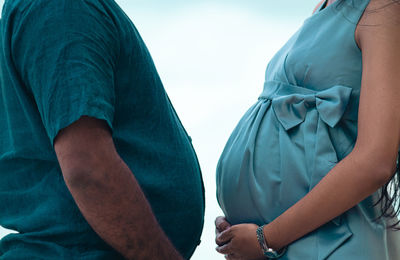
[[331, 104]]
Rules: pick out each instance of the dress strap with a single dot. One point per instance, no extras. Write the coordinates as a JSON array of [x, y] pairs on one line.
[[352, 10]]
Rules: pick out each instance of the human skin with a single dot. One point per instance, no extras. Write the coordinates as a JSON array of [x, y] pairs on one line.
[[107, 192], [368, 167]]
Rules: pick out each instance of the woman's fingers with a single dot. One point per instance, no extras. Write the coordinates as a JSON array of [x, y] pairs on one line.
[[231, 257], [224, 237], [224, 249], [221, 224]]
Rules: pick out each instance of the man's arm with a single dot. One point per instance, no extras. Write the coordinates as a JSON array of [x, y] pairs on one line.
[[107, 192]]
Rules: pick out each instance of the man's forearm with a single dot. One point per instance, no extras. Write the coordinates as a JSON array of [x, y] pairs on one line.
[[113, 203]]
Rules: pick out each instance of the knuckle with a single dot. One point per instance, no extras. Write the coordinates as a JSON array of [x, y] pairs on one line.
[[233, 229]]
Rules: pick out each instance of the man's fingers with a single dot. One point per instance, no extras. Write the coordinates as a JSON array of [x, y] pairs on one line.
[[221, 224]]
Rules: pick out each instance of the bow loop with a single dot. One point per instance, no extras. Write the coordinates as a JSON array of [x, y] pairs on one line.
[[289, 110], [331, 104]]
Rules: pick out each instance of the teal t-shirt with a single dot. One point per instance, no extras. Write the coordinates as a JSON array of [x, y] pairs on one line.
[[63, 59]]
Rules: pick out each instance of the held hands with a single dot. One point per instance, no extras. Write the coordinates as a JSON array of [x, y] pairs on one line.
[[237, 242]]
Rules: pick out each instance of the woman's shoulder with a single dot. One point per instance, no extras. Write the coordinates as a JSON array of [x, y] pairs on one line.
[[379, 23], [381, 13]]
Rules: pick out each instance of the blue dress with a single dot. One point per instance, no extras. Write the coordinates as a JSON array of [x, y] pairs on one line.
[[303, 124]]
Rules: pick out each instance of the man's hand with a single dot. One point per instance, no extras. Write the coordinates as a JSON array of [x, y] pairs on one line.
[[107, 192], [238, 242]]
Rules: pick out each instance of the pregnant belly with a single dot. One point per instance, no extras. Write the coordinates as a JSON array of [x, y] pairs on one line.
[[264, 168], [281, 148]]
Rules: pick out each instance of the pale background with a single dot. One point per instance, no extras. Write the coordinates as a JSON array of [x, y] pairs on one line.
[[211, 56]]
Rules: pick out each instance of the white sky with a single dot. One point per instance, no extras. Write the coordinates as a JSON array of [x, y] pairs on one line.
[[211, 56]]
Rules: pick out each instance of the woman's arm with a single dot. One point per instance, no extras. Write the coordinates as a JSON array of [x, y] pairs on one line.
[[373, 160]]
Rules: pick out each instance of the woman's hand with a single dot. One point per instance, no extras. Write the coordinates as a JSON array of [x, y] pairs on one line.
[[221, 224], [238, 242]]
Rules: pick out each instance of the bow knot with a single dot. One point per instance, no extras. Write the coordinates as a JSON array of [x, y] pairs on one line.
[[331, 104]]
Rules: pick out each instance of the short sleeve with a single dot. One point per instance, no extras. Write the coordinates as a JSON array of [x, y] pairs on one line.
[[65, 52]]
